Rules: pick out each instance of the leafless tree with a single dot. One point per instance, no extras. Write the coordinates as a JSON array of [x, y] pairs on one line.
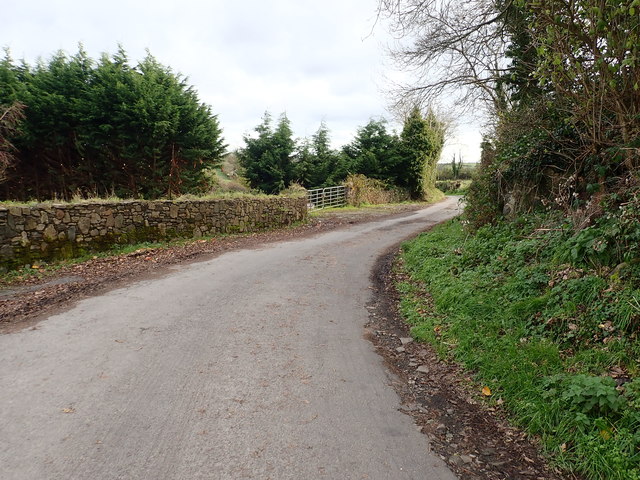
[[10, 117], [455, 50]]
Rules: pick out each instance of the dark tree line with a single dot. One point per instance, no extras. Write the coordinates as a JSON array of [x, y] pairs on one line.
[[104, 127], [273, 159]]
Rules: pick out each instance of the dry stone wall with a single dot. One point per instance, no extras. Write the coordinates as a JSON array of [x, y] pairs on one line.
[[50, 231]]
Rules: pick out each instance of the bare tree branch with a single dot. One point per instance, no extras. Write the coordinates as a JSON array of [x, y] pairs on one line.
[[10, 118], [454, 48]]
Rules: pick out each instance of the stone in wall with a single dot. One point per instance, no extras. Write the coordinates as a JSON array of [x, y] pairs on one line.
[[45, 232]]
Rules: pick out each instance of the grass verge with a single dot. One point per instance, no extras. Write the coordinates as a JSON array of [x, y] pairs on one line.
[[42, 270], [554, 343]]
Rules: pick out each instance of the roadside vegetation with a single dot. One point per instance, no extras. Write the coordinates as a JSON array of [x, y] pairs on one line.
[[79, 126], [536, 290], [403, 163], [455, 178], [548, 324]]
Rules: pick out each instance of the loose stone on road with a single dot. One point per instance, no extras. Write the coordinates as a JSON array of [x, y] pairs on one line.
[[250, 365]]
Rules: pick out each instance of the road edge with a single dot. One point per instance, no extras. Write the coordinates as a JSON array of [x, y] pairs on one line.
[[473, 438]]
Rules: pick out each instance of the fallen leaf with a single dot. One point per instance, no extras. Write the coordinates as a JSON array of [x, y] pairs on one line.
[[605, 434], [486, 391], [68, 410]]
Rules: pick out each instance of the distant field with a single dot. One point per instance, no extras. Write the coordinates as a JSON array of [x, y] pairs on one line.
[[453, 187], [446, 172]]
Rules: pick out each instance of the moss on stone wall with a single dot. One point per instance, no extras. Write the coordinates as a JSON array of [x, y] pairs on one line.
[[59, 231]]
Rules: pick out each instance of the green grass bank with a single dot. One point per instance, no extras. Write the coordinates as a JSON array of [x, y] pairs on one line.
[[543, 319]]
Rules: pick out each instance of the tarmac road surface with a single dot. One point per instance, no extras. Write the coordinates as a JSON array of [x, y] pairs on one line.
[[251, 365]]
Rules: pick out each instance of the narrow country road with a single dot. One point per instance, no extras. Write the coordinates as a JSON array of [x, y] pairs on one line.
[[250, 365]]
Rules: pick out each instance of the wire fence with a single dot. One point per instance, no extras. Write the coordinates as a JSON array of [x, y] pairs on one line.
[[327, 197]]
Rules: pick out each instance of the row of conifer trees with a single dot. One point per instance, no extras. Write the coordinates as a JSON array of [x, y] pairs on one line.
[[102, 128], [74, 126]]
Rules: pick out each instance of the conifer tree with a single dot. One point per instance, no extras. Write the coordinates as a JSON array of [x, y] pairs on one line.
[[422, 139], [374, 151], [267, 158], [317, 164], [107, 127]]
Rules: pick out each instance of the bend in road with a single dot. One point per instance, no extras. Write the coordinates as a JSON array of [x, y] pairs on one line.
[[250, 365]]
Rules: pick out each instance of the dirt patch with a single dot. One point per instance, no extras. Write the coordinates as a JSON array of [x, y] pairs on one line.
[[473, 438], [26, 302]]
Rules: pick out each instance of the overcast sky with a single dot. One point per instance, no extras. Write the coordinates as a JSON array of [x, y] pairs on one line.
[[313, 60]]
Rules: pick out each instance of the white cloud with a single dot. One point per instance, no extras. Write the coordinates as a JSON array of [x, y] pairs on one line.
[[315, 60]]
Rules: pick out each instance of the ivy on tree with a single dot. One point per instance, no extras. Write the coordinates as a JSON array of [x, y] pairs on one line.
[[422, 140]]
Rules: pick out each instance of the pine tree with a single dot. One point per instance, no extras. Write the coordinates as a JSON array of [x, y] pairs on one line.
[[317, 164], [267, 159], [107, 127], [373, 152]]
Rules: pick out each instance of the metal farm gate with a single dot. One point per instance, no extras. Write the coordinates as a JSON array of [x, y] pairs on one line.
[[327, 197]]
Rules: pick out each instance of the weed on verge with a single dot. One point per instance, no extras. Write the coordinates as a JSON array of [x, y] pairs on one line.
[[554, 342]]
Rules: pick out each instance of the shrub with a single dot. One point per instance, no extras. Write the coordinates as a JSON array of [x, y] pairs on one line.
[[363, 190]]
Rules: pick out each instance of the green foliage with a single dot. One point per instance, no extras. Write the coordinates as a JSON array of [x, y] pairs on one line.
[[485, 198], [461, 171], [422, 140], [317, 164], [556, 341], [374, 153], [456, 167], [570, 129], [589, 51], [407, 161], [271, 160], [544, 309], [585, 393], [107, 127], [453, 187], [267, 158], [613, 239]]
